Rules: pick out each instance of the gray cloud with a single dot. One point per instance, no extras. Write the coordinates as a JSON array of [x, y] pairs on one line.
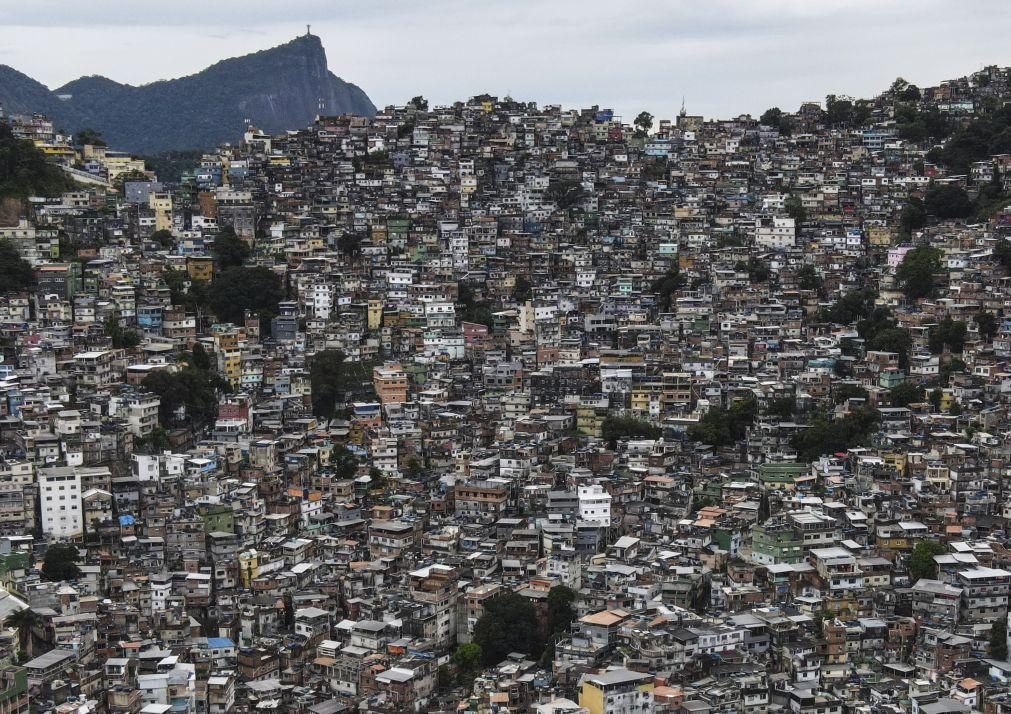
[[725, 56]]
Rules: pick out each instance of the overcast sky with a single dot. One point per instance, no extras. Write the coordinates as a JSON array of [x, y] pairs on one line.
[[726, 57]]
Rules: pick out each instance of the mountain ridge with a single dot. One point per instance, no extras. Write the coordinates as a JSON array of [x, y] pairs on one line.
[[276, 89]]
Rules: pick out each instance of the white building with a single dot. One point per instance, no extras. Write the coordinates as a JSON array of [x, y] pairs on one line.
[[775, 232], [60, 501], [594, 504]]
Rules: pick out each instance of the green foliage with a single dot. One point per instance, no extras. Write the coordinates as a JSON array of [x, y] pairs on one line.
[[913, 216], [522, 289], [560, 610], [666, 286], [643, 123], [905, 393], [614, 428], [757, 269], [987, 324], [229, 249], [163, 238], [851, 307], [828, 436], [15, 272], [468, 657], [474, 310], [808, 278], [24, 621], [565, 193], [915, 273], [776, 119], [509, 624], [948, 201], [83, 137], [419, 103], [195, 389], [60, 563], [921, 561], [892, 339], [344, 463], [201, 360], [238, 289], [170, 165], [334, 380], [25, 171], [795, 209], [947, 333], [783, 407], [721, 428], [844, 392], [121, 338], [998, 639]]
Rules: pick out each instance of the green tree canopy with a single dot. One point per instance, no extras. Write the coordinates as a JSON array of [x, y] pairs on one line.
[[565, 193], [195, 389], [335, 380], [795, 208], [229, 249], [344, 463], [643, 123], [238, 289], [88, 136], [25, 171], [987, 324], [998, 639], [828, 436], [560, 610], [915, 273], [948, 201], [913, 216], [947, 333], [921, 561], [15, 272], [844, 392], [509, 624], [614, 428], [905, 393], [60, 562]]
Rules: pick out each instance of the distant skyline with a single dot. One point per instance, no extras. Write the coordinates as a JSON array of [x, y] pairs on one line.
[[724, 57]]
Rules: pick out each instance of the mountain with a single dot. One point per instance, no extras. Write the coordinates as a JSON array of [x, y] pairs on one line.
[[282, 88]]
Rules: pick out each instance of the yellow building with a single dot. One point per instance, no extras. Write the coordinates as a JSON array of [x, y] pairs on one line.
[[375, 314], [249, 566], [200, 267], [161, 203], [226, 344], [618, 691]]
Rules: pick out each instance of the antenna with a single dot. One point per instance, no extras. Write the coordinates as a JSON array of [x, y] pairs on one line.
[[307, 33], [683, 112]]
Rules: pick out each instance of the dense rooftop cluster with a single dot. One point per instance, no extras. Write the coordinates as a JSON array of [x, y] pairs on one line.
[[502, 408]]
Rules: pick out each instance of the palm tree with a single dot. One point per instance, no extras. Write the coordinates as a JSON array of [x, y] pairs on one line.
[[24, 621]]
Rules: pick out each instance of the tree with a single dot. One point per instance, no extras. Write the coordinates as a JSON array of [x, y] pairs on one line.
[[509, 624], [163, 238], [915, 273], [344, 463], [239, 289], [60, 563], [905, 393], [782, 407], [25, 170], [912, 217], [468, 659], [201, 360], [998, 639], [194, 390], [795, 208], [935, 396], [24, 621], [844, 392], [947, 333], [808, 278], [560, 610], [921, 561], [522, 289], [614, 428], [838, 110], [666, 286], [643, 123], [948, 201], [419, 103], [121, 338], [86, 137], [892, 339], [828, 436], [771, 117], [229, 249], [987, 324], [334, 380], [565, 193], [15, 272]]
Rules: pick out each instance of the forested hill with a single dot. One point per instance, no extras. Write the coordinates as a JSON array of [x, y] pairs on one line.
[[277, 89]]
